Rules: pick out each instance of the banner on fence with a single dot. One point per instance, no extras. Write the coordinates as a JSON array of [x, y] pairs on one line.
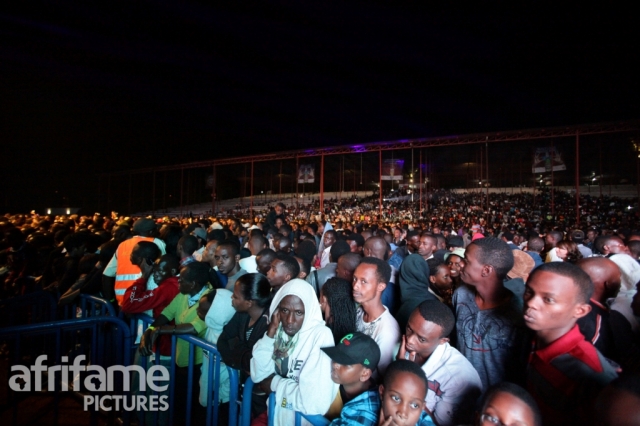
[[392, 169], [306, 173], [547, 159]]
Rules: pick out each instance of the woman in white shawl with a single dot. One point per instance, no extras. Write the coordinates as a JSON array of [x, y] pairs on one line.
[[288, 359]]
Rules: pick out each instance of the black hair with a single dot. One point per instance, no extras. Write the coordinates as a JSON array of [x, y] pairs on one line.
[[255, 287], [230, 244], [518, 392], [306, 250], [495, 252], [634, 247], [556, 235], [171, 235], [404, 366], [216, 234], [267, 252], [383, 270], [189, 244], [434, 264], [438, 313], [313, 226], [580, 278], [70, 242], [412, 234], [304, 264], [244, 253], [210, 295], [289, 263], [339, 248], [172, 262], [535, 244], [339, 295], [107, 250], [197, 272], [148, 251]]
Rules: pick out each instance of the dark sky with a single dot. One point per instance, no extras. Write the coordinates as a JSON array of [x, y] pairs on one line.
[[91, 87]]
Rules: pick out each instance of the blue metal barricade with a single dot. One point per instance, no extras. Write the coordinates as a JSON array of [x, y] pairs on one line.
[[95, 329], [315, 420], [245, 407], [31, 308], [272, 409], [89, 307], [212, 379]]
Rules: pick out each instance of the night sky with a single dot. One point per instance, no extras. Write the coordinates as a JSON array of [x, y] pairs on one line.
[[91, 87]]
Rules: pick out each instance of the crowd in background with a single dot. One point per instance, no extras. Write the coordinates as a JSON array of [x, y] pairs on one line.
[[456, 314]]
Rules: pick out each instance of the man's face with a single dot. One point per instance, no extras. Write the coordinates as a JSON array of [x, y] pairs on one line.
[[225, 260], [346, 374], [329, 239], [472, 270], [591, 235], [161, 271], [426, 246], [291, 311], [423, 337], [278, 223], [455, 262], [397, 233], [550, 303], [208, 255], [403, 400], [414, 243], [277, 275], [365, 284], [278, 210]]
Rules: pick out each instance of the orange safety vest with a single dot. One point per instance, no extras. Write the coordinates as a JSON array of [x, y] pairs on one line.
[[126, 273]]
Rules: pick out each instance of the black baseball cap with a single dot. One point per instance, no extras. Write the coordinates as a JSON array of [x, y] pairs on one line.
[[355, 348]]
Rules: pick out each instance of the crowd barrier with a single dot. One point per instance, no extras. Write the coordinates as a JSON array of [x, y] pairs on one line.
[[85, 325], [32, 308], [64, 338], [213, 377], [87, 306]]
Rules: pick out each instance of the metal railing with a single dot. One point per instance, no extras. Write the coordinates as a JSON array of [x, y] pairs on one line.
[[213, 375], [100, 329], [30, 308]]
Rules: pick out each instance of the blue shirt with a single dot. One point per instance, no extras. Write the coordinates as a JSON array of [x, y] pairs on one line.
[[361, 410]]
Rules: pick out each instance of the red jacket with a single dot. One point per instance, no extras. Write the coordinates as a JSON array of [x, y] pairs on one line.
[[138, 299]]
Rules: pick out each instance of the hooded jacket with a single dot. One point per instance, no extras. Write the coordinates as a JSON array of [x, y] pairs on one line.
[[307, 387]]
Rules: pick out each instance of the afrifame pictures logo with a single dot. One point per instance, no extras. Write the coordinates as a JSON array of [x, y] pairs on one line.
[[97, 379]]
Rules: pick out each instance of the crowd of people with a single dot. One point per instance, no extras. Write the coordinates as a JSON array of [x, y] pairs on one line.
[[454, 315]]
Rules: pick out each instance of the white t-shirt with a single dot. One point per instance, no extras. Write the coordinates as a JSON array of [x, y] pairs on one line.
[[386, 333]]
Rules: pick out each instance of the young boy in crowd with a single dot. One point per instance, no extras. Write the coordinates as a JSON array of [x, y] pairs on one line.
[[509, 404], [565, 371], [353, 362], [402, 395]]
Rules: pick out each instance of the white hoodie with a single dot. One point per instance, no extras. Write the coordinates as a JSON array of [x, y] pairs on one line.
[[308, 387], [220, 313]]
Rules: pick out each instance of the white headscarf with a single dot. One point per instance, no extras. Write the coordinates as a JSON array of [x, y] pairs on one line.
[[306, 293]]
